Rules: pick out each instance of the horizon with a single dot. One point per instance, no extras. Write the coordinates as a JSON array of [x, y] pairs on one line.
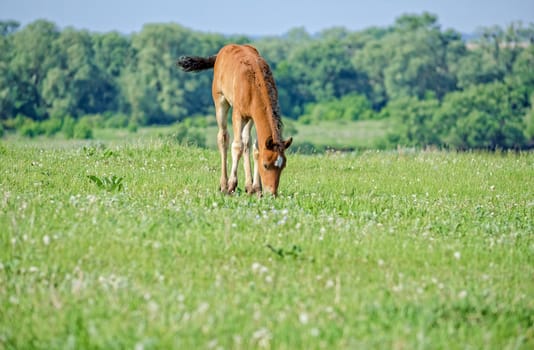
[[275, 20]]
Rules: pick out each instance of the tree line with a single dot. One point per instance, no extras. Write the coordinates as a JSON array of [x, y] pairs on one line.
[[433, 87]]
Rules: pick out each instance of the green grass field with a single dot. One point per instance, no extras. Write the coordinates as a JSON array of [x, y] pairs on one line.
[[131, 246]]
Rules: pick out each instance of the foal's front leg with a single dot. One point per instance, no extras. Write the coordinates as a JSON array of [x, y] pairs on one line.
[[256, 184], [237, 149], [245, 134]]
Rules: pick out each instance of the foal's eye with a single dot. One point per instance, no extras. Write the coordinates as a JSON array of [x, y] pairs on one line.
[[265, 166]]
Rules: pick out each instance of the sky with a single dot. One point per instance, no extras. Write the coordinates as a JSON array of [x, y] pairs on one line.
[[273, 17]]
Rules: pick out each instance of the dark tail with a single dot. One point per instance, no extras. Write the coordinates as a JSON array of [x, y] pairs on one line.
[[195, 63]]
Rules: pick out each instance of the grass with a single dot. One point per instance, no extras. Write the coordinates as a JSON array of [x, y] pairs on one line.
[[360, 250]]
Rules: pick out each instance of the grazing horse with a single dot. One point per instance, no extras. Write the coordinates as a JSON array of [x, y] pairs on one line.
[[243, 80]]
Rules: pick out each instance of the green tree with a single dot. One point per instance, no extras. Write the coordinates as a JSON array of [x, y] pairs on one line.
[[482, 116], [33, 56], [8, 95], [113, 55], [411, 121], [349, 107], [318, 70], [373, 59], [8, 27], [75, 86], [419, 58], [156, 90]]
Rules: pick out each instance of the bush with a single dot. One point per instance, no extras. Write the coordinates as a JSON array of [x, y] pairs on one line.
[[51, 126], [83, 130], [68, 127], [117, 121], [482, 116], [198, 121], [132, 127], [30, 128], [348, 107], [95, 121], [411, 121], [187, 136]]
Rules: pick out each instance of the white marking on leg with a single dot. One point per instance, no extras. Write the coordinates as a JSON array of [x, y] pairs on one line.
[[245, 134], [256, 184]]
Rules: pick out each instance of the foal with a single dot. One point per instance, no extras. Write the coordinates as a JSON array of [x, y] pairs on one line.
[[243, 80]]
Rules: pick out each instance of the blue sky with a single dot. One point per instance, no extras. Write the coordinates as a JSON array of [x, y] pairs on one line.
[[272, 17]]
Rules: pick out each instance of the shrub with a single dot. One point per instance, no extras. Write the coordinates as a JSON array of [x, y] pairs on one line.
[[348, 107], [68, 127], [51, 126], [83, 130], [95, 121], [481, 116], [411, 120], [30, 128], [132, 127], [188, 136], [117, 121]]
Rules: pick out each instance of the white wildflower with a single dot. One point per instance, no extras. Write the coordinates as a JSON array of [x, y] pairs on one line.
[[329, 284], [202, 308], [152, 307], [259, 268], [262, 336], [314, 332]]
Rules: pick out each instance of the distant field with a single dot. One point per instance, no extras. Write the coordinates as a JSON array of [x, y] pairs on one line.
[[323, 135], [342, 135], [116, 244]]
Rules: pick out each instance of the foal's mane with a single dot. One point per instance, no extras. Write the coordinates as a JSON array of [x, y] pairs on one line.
[[276, 120]]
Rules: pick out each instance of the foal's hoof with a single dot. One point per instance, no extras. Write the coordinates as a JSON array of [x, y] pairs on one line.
[[232, 187], [254, 190]]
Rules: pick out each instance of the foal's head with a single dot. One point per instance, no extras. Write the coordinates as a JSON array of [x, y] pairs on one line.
[[272, 161]]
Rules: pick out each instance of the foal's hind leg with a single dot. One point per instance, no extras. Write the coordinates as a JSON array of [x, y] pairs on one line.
[[221, 112]]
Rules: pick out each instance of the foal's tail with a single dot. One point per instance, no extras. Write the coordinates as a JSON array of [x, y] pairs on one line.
[[195, 63]]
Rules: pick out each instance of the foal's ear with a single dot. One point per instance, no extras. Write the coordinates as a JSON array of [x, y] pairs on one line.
[[269, 144], [288, 142]]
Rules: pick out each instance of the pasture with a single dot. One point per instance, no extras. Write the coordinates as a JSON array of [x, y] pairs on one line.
[[131, 246]]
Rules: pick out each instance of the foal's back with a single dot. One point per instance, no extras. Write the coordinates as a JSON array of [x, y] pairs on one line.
[[243, 77]]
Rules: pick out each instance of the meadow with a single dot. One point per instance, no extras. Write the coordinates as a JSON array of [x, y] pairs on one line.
[[129, 245]]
